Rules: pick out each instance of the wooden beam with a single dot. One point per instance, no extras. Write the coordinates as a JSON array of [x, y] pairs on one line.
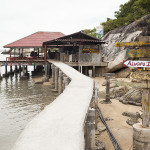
[[45, 53]]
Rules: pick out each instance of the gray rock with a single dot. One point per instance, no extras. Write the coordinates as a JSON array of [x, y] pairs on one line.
[[133, 96], [129, 33], [45, 79], [108, 119], [39, 82], [99, 145], [118, 91], [100, 127]]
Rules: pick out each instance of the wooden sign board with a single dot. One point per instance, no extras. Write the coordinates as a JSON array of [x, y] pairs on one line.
[[90, 50], [138, 53], [132, 44], [140, 64]]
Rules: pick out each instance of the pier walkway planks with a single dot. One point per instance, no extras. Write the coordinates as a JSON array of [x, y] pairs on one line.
[[60, 126]]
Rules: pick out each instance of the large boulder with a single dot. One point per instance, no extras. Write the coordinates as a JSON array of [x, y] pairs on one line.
[[132, 32], [120, 91], [133, 96]]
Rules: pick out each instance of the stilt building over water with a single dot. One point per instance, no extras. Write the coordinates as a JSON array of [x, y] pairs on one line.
[[78, 50], [28, 50]]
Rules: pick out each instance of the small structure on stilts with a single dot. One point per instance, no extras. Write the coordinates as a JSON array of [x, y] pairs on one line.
[[78, 50], [26, 52]]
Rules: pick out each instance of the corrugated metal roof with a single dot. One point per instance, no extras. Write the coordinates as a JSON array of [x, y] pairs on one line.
[[77, 37], [34, 40]]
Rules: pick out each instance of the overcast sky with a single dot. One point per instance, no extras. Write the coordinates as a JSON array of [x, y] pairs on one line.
[[19, 18]]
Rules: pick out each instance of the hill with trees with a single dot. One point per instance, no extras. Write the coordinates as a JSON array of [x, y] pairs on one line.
[[128, 13]]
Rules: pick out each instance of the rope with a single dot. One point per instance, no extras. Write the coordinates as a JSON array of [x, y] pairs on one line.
[[111, 136]]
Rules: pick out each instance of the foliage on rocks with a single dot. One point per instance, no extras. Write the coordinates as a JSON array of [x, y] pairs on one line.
[[128, 13]]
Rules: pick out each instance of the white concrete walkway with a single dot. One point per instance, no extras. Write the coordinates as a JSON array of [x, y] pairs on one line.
[[60, 125]]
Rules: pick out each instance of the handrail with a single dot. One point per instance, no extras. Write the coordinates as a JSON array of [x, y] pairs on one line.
[[24, 58]]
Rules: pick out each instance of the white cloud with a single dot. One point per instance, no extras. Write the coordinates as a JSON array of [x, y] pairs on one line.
[[19, 18]]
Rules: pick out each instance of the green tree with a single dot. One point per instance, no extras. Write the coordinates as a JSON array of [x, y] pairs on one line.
[[129, 12], [92, 32]]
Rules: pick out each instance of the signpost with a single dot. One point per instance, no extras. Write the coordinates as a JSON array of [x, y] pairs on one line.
[[143, 51], [132, 63]]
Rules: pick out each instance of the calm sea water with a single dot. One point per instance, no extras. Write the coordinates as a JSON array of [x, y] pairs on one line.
[[20, 101]]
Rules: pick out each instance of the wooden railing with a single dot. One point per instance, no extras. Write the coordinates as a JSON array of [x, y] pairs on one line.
[[24, 58]]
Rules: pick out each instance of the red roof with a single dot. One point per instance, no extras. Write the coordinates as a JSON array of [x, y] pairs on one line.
[[34, 40]]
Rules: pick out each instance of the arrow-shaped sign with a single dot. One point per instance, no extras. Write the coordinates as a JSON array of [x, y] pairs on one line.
[[131, 63]]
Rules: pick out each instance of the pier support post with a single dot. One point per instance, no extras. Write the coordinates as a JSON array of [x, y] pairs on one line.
[[79, 68], [11, 73], [86, 70], [20, 69], [90, 130], [93, 71], [26, 71], [60, 88], [53, 75], [66, 81], [23, 70], [24, 76], [0, 73], [63, 82], [56, 78], [16, 69], [6, 73], [45, 68]]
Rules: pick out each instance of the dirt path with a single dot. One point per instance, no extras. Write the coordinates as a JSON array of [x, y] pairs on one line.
[[121, 130]]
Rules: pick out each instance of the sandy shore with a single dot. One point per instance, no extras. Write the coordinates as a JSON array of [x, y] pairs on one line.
[[121, 130]]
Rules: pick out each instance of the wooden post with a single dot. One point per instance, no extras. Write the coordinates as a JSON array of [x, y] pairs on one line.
[[16, 69], [10, 69], [26, 69], [0, 73], [53, 74], [93, 71], [79, 68], [10, 52], [14, 52], [20, 68], [38, 52], [63, 84], [6, 69], [45, 54], [146, 108], [19, 52], [23, 70], [56, 78], [107, 89], [22, 53], [96, 101], [60, 82], [86, 70], [46, 69], [107, 77]]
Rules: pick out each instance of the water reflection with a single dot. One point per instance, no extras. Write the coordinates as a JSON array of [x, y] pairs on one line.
[[20, 101]]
